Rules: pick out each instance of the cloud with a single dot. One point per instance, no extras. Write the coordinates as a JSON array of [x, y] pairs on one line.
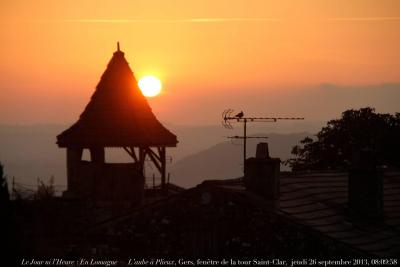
[[220, 20], [365, 19]]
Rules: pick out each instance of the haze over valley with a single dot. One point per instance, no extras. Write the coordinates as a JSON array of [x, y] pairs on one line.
[[29, 152]]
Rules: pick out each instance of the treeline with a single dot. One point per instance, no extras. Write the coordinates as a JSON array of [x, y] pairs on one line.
[[334, 147]]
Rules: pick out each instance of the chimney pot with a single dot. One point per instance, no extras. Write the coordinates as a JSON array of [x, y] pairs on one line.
[[262, 151]]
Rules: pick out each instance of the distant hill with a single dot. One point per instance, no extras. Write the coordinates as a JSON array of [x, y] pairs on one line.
[[193, 139], [225, 159], [30, 151]]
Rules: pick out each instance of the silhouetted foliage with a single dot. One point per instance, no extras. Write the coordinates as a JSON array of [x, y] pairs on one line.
[[8, 245], [45, 190], [356, 129], [4, 194]]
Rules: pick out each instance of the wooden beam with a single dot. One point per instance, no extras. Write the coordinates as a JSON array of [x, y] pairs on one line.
[[127, 150], [150, 151], [154, 159], [131, 153], [134, 153]]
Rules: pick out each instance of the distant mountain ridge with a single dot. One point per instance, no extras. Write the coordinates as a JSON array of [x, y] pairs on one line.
[[225, 160], [29, 152]]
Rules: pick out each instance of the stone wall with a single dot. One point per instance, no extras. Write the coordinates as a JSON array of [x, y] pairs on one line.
[[107, 182]]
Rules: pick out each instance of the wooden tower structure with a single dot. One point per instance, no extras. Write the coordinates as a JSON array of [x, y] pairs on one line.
[[117, 116]]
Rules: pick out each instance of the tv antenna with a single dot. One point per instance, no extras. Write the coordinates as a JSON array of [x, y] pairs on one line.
[[228, 119]]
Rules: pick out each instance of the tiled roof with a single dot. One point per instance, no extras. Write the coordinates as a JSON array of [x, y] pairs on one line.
[[319, 200], [212, 219], [117, 115], [316, 202]]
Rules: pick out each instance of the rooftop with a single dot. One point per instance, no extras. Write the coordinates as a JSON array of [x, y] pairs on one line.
[[117, 115], [313, 208]]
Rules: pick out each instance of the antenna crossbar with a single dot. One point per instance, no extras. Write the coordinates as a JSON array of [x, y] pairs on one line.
[[247, 137], [228, 119], [261, 119]]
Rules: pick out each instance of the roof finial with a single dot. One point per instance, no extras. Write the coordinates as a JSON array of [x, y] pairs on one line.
[[118, 46]]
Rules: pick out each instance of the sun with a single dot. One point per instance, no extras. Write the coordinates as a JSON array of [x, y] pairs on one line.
[[150, 86]]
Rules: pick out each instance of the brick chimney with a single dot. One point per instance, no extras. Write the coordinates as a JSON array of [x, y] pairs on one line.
[[261, 174], [365, 188]]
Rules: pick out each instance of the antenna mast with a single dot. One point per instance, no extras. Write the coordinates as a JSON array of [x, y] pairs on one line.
[[228, 119]]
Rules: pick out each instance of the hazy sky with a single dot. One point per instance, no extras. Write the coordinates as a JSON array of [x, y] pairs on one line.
[[303, 58]]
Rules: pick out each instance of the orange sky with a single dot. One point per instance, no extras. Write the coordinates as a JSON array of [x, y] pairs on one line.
[[266, 57]]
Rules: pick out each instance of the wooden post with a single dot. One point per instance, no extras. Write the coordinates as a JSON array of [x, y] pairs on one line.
[[142, 157], [97, 154], [163, 166], [74, 156]]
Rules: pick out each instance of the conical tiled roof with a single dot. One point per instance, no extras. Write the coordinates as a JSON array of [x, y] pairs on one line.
[[117, 115]]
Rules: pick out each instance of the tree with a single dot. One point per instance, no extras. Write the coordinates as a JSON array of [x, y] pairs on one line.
[[355, 130], [4, 194]]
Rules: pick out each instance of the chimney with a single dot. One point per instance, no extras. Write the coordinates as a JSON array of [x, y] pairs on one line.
[[261, 174], [365, 188]]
